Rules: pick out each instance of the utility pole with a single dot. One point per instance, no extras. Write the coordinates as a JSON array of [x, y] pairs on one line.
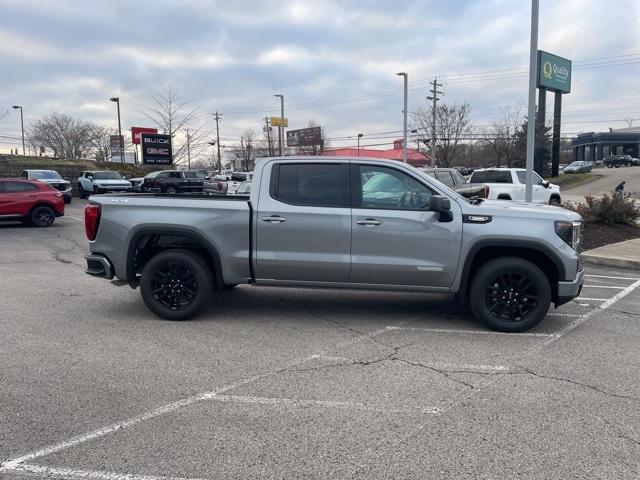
[[531, 109], [22, 126], [405, 113], [434, 108], [188, 151], [281, 128], [242, 150], [217, 117], [248, 154], [269, 145]]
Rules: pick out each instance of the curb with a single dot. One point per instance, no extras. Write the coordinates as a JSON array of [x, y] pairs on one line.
[[606, 261]]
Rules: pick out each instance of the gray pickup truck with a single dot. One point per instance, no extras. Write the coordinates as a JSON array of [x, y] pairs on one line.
[[339, 223]]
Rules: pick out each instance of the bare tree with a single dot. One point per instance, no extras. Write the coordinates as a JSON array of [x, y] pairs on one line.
[[173, 116], [68, 137], [629, 121], [502, 136], [451, 126]]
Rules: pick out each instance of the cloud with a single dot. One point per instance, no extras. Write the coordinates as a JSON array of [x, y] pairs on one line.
[[335, 60]]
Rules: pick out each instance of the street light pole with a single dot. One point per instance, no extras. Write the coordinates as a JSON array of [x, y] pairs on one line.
[[22, 126], [360, 135], [406, 92], [117, 100], [281, 127], [531, 109]]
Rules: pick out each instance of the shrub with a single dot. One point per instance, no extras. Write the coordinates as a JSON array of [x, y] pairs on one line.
[[607, 210]]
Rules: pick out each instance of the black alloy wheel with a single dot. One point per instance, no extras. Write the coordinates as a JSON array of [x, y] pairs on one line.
[[176, 284], [42, 216], [171, 190], [511, 297], [510, 294], [81, 192]]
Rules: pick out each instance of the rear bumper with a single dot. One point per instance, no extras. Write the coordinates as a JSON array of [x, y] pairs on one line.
[[568, 290], [99, 266]]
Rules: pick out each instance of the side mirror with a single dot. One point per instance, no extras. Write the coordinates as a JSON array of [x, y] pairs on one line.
[[545, 184], [442, 205]]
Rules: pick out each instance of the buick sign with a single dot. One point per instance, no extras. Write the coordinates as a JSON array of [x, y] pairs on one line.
[[156, 149]]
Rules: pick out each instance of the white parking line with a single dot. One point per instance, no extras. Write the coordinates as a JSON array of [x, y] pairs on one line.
[[612, 278], [603, 286], [473, 332], [72, 473], [76, 218], [554, 314], [587, 299], [298, 402], [580, 320]]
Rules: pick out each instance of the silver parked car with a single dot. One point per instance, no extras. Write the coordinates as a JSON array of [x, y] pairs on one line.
[[578, 167]]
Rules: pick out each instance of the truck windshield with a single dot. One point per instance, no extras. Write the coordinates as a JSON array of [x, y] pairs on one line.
[[46, 175], [107, 176]]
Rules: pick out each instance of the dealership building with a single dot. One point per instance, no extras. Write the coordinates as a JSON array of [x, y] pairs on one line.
[[595, 146], [414, 157]]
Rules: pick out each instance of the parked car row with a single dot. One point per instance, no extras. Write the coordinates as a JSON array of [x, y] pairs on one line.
[[497, 184], [621, 160], [32, 202]]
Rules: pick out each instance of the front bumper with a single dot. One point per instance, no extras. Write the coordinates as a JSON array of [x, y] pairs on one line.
[[568, 290], [99, 266]]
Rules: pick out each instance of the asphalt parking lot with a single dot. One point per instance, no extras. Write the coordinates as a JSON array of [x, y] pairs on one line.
[[288, 383]]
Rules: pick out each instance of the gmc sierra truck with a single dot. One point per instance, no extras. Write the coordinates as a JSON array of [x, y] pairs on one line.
[[339, 223]]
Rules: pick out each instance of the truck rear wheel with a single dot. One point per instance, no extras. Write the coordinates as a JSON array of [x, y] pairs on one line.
[[510, 294], [176, 284]]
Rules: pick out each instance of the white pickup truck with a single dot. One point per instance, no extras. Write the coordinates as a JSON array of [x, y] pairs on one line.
[[509, 184]]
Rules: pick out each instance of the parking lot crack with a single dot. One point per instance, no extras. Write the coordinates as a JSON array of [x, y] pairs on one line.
[[524, 370], [343, 326], [438, 371]]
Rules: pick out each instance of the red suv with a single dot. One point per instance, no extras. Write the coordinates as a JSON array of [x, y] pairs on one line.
[[30, 201]]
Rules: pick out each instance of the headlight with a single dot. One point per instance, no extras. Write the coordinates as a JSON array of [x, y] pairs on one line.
[[570, 232]]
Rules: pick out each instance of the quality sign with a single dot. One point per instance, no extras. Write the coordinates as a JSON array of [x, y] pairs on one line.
[[554, 73]]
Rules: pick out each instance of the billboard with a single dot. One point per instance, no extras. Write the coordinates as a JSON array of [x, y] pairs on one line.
[[116, 142], [554, 73], [136, 131], [156, 149], [304, 137]]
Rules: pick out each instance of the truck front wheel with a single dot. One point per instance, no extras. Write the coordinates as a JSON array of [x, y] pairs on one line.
[[176, 284], [510, 294]]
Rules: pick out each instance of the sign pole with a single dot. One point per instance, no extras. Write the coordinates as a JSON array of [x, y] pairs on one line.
[[555, 143], [532, 98], [539, 165]]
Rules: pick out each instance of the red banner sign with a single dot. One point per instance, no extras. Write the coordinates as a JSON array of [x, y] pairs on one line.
[[136, 131]]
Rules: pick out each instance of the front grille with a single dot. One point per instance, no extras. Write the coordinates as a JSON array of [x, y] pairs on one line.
[[60, 186]]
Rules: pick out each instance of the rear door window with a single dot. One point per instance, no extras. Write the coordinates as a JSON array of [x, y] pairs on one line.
[[498, 176], [310, 184]]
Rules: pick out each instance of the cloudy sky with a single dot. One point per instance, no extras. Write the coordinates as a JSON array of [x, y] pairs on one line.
[[333, 60]]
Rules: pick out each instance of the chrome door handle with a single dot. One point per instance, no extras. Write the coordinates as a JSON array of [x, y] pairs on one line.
[[274, 219], [369, 222]]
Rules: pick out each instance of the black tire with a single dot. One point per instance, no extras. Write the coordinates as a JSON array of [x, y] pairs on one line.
[[42, 216], [176, 284], [67, 200], [96, 190], [82, 192], [526, 294], [555, 200], [609, 166], [171, 190]]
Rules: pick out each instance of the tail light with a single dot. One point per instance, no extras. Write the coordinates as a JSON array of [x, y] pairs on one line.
[[485, 191], [91, 220], [219, 186]]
